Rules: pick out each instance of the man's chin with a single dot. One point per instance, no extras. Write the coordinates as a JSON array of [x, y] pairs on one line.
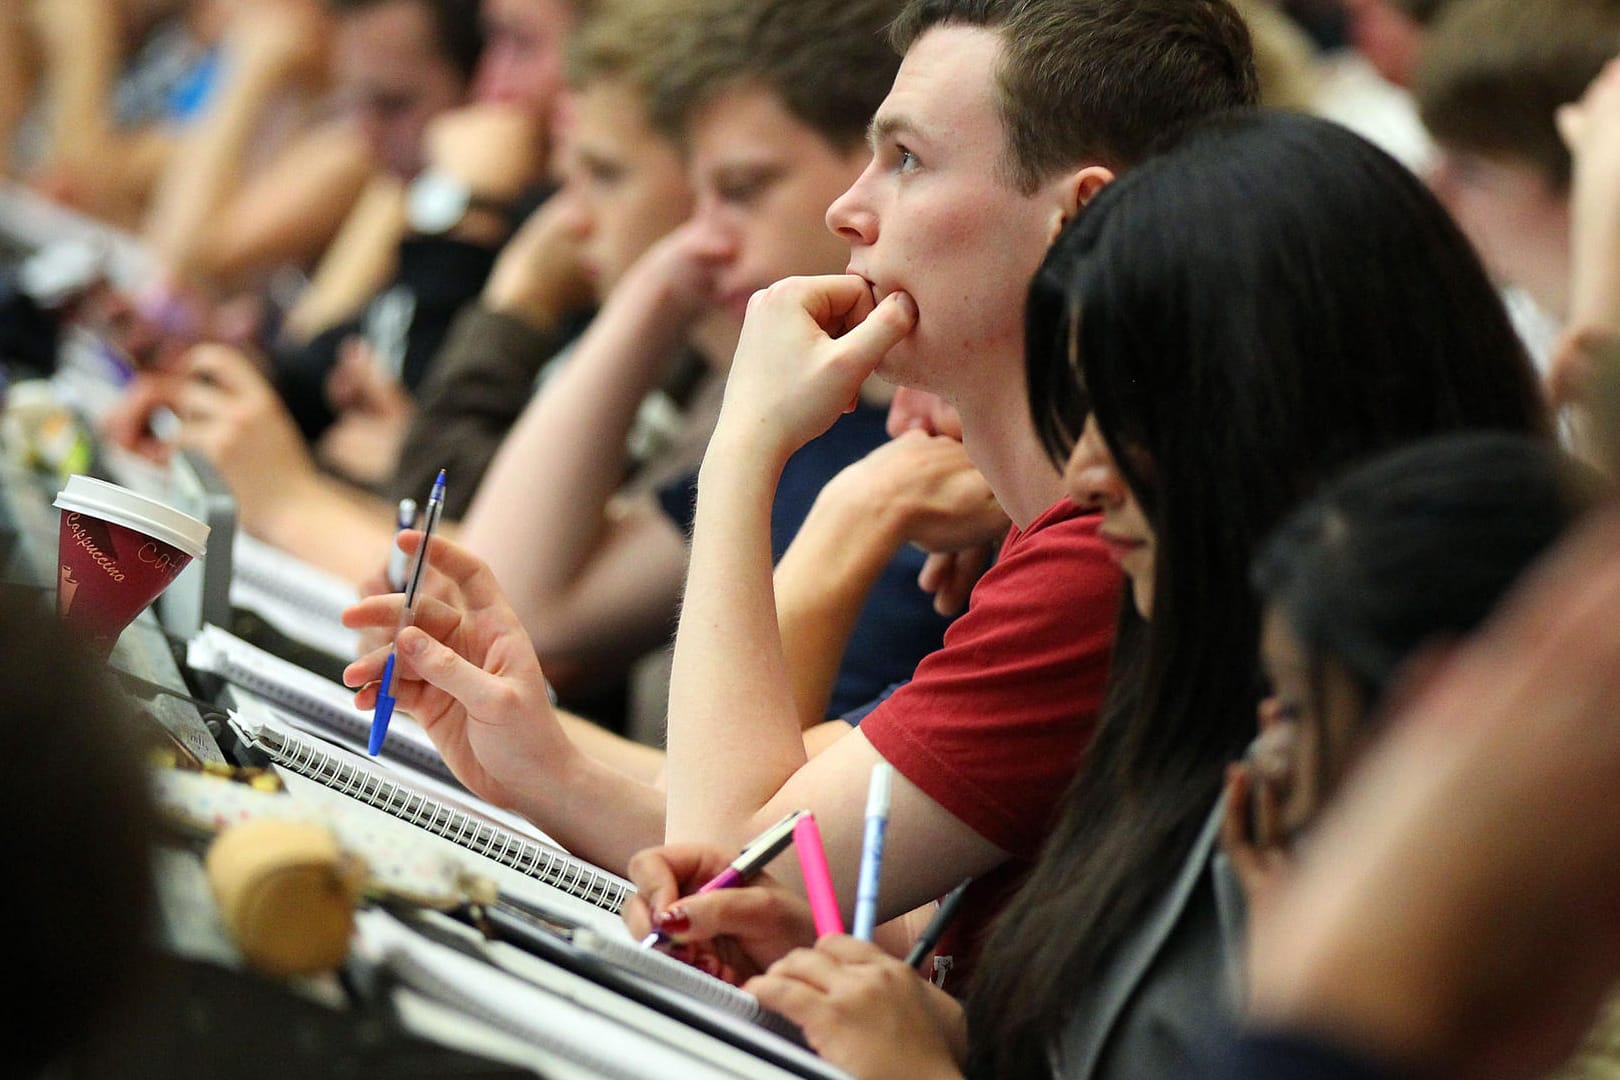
[[900, 365]]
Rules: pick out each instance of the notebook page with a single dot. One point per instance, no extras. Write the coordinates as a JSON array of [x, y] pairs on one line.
[[319, 705], [303, 586]]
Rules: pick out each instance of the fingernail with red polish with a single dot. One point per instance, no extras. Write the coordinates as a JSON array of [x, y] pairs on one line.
[[673, 921]]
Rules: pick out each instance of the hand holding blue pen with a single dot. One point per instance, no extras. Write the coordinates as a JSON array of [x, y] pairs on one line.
[[877, 820], [413, 584]]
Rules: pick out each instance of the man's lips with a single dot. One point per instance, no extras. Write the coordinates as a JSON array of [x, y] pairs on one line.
[[871, 287]]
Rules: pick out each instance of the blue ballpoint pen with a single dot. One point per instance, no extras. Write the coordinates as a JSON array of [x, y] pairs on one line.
[[877, 819], [413, 584]]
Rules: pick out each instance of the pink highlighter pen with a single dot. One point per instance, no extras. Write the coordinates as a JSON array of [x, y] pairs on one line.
[[817, 878]]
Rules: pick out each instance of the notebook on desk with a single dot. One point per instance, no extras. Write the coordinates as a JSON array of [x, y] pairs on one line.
[[317, 704], [460, 819]]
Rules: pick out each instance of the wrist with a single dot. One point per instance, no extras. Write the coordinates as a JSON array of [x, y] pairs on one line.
[[537, 307], [854, 504], [739, 449], [653, 288], [439, 203]]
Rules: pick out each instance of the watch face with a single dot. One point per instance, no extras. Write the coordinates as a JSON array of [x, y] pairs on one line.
[[437, 203]]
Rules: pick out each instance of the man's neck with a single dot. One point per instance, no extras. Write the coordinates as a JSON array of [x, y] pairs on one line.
[[1000, 440]]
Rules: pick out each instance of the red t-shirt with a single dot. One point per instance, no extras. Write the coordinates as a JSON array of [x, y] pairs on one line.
[[993, 725]]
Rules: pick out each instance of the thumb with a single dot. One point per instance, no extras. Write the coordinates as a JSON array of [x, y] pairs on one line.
[[883, 329]]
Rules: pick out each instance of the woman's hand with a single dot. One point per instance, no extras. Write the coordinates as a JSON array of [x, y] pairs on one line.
[[732, 934], [865, 1011], [1254, 840]]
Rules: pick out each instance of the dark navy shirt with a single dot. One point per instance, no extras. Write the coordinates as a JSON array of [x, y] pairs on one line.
[[898, 625]]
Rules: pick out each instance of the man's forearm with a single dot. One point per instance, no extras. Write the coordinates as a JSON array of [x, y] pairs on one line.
[[207, 168], [734, 736], [821, 583], [78, 80], [331, 525], [539, 515]]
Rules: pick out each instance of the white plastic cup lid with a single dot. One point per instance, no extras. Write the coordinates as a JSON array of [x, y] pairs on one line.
[[121, 506]]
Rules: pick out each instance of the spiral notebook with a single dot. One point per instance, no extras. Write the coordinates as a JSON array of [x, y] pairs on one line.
[[351, 775], [318, 705]]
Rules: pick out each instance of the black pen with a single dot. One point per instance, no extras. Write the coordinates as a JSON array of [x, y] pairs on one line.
[[936, 926], [751, 860]]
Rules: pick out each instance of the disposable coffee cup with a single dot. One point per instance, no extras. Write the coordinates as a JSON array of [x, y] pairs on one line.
[[116, 551]]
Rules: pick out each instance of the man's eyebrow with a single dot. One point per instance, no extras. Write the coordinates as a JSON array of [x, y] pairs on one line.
[[885, 127]]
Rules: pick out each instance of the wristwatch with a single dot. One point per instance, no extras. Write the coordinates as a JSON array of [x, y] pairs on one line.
[[437, 202]]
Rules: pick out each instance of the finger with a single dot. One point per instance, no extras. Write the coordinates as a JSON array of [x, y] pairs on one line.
[[433, 615], [882, 330], [637, 916], [789, 996], [1268, 827], [459, 567], [1235, 818], [933, 571], [849, 950], [221, 365], [809, 966], [961, 572], [834, 301], [1571, 121], [196, 401], [435, 663], [769, 916], [368, 668], [658, 874]]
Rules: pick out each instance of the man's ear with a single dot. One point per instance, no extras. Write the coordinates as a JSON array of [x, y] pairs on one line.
[[1075, 190]]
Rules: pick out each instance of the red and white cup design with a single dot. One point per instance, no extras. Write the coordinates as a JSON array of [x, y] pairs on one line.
[[116, 551]]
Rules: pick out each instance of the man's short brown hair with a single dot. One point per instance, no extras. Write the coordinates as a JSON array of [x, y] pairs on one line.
[[1100, 81], [632, 42], [829, 61], [1494, 72]]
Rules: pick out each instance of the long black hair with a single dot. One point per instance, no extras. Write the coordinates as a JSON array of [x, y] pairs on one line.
[[1417, 545], [1245, 315]]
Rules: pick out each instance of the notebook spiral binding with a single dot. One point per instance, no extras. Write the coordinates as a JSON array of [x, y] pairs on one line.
[[556, 869]]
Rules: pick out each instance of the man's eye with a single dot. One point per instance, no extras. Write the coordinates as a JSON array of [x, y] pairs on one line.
[[741, 191]]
